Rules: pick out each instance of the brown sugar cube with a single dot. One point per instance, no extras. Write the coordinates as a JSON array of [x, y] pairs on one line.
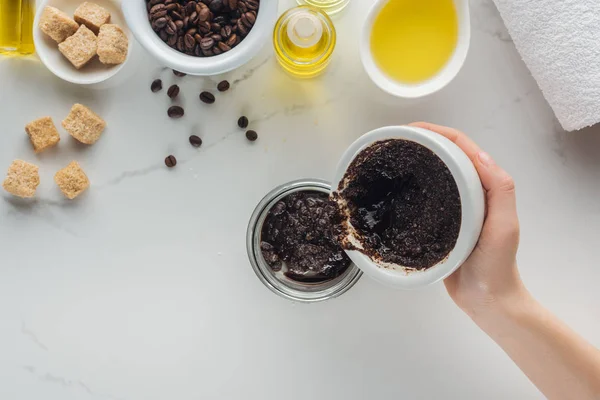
[[80, 48], [57, 24], [42, 133], [83, 124], [112, 44], [22, 179], [92, 15], [71, 180]]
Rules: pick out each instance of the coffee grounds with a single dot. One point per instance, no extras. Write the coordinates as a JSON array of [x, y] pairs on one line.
[[301, 231], [404, 204]]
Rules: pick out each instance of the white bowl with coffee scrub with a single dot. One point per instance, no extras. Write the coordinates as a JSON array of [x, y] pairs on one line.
[[471, 201], [425, 87], [136, 15], [47, 49]]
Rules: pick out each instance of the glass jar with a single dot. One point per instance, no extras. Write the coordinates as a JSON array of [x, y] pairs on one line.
[[277, 282]]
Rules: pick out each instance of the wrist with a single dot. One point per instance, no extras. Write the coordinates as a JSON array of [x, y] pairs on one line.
[[508, 307]]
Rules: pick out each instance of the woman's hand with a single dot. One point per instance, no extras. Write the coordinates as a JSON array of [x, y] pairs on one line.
[[488, 288], [490, 274]]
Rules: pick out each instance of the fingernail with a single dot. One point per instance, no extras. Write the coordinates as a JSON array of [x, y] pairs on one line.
[[485, 159]]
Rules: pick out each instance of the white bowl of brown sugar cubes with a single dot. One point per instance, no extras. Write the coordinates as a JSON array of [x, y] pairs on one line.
[[82, 42]]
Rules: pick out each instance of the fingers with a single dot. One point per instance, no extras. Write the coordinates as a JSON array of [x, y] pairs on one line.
[[501, 200], [460, 139]]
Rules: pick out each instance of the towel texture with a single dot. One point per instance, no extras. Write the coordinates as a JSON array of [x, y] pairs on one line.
[[559, 40]]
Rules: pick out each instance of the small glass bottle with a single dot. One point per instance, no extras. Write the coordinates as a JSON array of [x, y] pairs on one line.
[[304, 39], [16, 27], [331, 7]]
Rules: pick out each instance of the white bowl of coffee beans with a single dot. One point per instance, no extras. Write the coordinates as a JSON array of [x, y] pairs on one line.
[[201, 37]]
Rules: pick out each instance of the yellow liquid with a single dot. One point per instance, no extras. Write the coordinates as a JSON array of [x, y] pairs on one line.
[[304, 62], [412, 40], [16, 26]]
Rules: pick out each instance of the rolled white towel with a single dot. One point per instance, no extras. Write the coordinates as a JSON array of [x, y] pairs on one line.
[[559, 40]]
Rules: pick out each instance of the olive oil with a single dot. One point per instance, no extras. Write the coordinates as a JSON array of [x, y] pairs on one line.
[[304, 39], [16, 26], [412, 40]]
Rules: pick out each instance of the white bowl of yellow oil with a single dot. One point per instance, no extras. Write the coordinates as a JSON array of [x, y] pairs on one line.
[[411, 49]]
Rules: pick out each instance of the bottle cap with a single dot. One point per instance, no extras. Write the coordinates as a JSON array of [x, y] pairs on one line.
[[305, 29]]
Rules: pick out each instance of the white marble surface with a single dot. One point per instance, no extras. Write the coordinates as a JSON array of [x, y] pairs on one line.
[[141, 289]]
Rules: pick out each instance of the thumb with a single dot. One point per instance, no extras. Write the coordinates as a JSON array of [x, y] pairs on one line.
[[500, 196]]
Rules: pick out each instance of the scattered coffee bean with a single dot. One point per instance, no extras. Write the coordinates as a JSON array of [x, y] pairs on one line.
[[175, 112], [173, 91], [195, 141], [207, 97], [251, 135], [177, 22], [156, 85], [223, 86], [179, 74], [170, 161], [243, 122]]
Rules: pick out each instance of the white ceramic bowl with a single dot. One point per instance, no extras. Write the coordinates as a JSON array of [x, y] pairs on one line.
[[47, 49], [432, 85], [472, 202], [136, 15]]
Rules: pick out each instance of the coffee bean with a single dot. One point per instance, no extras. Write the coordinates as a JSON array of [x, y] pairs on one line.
[[226, 31], [157, 8], [215, 6], [204, 14], [223, 47], [195, 141], [178, 17], [207, 97], [207, 43], [216, 37], [159, 14], [160, 23], [156, 85], [189, 42], [242, 28], [204, 27], [252, 4], [173, 91], [245, 20], [172, 41], [175, 112], [251, 135], [179, 74], [216, 50], [243, 122], [170, 161], [223, 86], [215, 27], [251, 17], [233, 4], [232, 40]]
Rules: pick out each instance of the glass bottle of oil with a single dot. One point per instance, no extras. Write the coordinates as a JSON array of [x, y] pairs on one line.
[[329, 6], [304, 39], [16, 27]]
